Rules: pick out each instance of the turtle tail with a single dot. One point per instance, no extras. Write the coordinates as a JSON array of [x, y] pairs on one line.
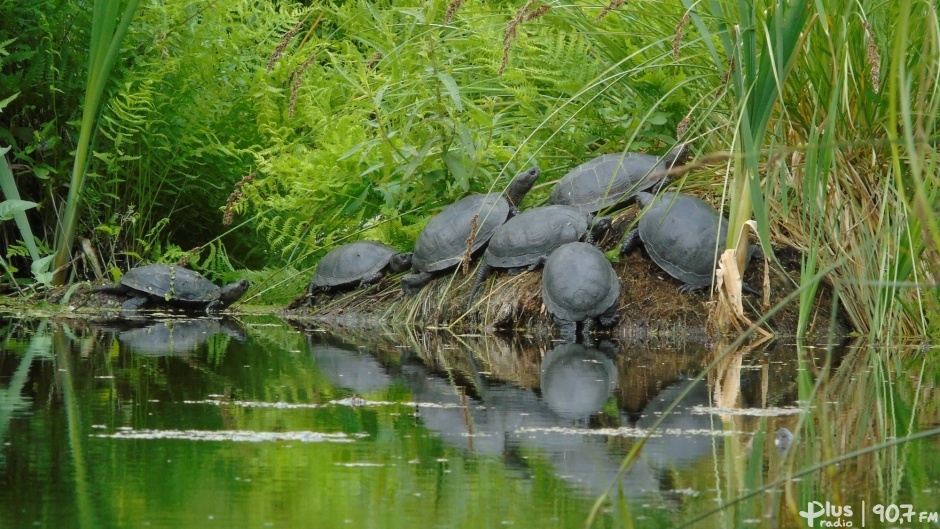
[[482, 273]]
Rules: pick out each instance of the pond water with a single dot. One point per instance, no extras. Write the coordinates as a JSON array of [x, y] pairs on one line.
[[254, 423]]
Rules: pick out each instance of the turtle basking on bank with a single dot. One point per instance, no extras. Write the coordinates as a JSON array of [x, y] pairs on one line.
[[612, 179], [444, 241], [175, 286], [579, 285], [681, 234], [357, 264], [524, 241]]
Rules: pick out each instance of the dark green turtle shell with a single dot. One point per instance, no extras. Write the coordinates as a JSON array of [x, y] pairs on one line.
[[607, 180], [350, 263], [578, 282], [171, 283], [443, 241], [681, 234], [533, 234]]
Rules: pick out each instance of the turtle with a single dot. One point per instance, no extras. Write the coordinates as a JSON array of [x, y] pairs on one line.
[[611, 179], [577, 379], [681, 233], [174, 285], [579, 285], [524, 241], [449, 234], [358, 264]]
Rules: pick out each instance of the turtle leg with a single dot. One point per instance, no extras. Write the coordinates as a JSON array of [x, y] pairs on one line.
[[567, 329], [312, 291], [135, 303], [686, 288], [371, 279], [630, 242], [516, 270], [482, 273], [749, 289], [212, 305], [413, 283], [539, 263], [609, 318], [115, 288]]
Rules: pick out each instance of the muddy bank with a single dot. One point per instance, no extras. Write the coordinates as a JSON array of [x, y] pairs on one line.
[[650, 304]]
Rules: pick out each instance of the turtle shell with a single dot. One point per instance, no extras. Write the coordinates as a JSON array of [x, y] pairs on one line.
[[351, 263], [171, 283], [443, 241], [607, 180], [533, 234], [681, 234], [578, 282]]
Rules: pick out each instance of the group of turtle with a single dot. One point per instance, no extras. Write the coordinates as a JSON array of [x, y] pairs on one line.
[[680, 233]]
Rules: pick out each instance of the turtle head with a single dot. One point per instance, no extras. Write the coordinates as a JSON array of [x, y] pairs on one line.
[[644, 199], [521, 185], [400, 262], [231, 292], [677, 156]]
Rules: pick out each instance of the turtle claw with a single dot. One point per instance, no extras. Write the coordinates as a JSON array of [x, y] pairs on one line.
[[687, 288]]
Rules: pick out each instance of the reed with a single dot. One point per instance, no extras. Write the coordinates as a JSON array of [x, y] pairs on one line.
[[110, 22]]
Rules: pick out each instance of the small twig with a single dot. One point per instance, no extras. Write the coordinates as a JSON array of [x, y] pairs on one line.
[[614, 4], [468, 255], [452, 10], [295, 86], [874, 60], [285, 40], [235, 197], [524, 14], [680, 31]]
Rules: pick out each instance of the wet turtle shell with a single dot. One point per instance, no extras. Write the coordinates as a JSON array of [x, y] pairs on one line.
[[358, 262], [529, 237], [464, 227], [443, 241], [681, 234], [579, 283], [612, 178]]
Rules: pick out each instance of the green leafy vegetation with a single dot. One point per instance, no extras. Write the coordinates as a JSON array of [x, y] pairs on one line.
[[248, 135]]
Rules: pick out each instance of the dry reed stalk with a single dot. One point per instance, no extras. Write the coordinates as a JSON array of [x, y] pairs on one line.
[[374, 60], [874, 60], [234, 198], [295, 86], [614, 4], [524, 14], [680, 31], [468, 255], [285, 41], [452, 8]]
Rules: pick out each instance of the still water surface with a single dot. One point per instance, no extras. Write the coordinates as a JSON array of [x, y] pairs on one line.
[[218, 423]]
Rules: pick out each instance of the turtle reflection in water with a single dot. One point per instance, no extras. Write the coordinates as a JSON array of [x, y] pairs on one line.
[[176, 337], [349, 367], [577, 380]]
